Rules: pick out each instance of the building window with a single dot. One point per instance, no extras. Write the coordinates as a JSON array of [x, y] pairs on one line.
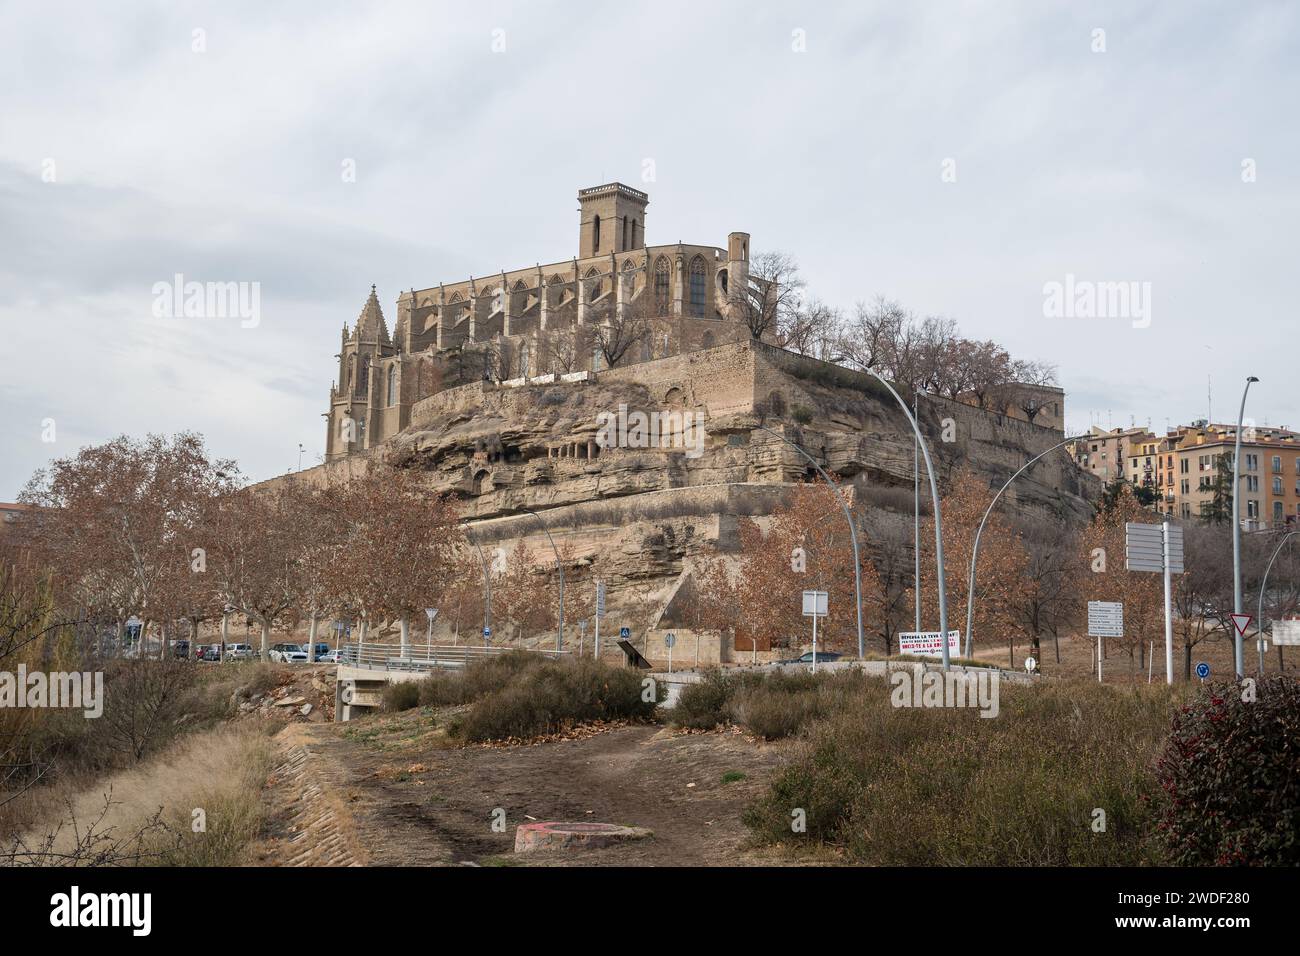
[[392, 385], [595, 235], [1252, 462], [1252, 509], [1277, 464], [663, 287], [697, 286], [625, 226], [1277, 512], [635, 237], [1277, 486]]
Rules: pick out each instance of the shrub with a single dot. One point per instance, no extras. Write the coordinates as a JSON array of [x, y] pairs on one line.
[[1228, 774], [802, 414], [550, 696], [918, 786], [706, 704], [401, 696]]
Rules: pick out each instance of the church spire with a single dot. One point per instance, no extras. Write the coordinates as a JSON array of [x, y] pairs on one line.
[[370, 323]]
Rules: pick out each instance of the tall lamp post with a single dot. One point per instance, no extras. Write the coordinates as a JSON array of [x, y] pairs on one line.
[[938, 517], [1236, 526], [1263, 589], [559, 566], [975, 549], [487, 588], [853, 534]]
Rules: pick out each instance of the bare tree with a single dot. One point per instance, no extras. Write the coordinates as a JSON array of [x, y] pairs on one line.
[[776, 290], [616, 330]]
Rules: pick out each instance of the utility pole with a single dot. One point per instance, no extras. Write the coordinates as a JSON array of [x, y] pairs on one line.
[[1236, 527]]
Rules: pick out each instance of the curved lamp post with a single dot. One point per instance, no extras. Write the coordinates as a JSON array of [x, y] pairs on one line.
[[857, 564], [1263, 589], [938, 517], [975, 550], [559, 637], [1236, 525]]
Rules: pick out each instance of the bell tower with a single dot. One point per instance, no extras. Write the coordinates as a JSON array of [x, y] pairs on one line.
[[612, 219]]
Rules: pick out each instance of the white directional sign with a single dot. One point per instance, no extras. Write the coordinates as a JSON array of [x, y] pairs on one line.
[[1105, 619], [814, 603], [1144, 548], [929, 643], [600, 599]]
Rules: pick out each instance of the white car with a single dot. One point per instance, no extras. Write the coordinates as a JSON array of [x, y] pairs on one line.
[[288, 654], [239, 652]]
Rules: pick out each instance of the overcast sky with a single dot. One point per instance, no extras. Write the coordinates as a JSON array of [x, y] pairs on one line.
[[954, 156]]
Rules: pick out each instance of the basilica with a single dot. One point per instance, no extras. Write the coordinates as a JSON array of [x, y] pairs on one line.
[[617, 302]]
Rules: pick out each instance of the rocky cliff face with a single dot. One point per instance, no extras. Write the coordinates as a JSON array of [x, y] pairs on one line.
[[638, 516]]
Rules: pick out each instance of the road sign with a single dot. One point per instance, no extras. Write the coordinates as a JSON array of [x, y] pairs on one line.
[[1202, 670], [430, 613], [1241, 622], [600, 599], [487, 632], [670, 639], [929, 643], [1286, 632], [1144, 548], [624, 632], [1030, 664], [814, 603], [1105, 619]]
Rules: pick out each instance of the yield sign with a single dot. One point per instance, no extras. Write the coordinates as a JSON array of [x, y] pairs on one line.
[[1241, 622]]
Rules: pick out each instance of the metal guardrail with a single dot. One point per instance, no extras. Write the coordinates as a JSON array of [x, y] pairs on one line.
[[418, 657]]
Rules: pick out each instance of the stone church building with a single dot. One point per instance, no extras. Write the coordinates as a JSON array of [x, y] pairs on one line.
[[542, 322]]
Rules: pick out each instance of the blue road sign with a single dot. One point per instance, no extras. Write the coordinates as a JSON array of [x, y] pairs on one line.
[[625, 632], [1202, 670], [487, 632]]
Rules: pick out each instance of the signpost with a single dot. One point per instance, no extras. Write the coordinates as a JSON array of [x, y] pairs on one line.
[[430, 613], [929, 643], [814, 606], [600, 612], [1105, 619], [1286, 632], [487, 634], [1202, 670], [669, 640], [1158, 548]]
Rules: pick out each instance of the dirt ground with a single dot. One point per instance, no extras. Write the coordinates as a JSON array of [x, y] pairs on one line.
[[389, 791]]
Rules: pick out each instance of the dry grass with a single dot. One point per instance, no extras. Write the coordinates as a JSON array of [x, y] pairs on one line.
[[149, 810]]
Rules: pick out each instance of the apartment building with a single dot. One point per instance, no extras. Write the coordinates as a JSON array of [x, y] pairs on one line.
[[1102, 452], [1269, 474]]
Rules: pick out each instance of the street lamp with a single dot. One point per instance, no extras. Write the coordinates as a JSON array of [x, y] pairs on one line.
[[853, 534], [1236, 527], [559, 566], [487, 587], [1263, 589], [975, 550], [938, 516]]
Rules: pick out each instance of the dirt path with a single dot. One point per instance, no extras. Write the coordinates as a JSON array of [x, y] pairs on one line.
[[382, 793]]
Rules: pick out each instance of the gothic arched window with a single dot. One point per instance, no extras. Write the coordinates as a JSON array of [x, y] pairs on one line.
[[663, 285], [697, 286], [595, 235], [392, 385]]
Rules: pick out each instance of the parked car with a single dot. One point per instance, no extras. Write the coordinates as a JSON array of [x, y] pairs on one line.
[[807, 658], [240, 652], [322, 651], [210, 653], [289, 654], [181, 649]]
